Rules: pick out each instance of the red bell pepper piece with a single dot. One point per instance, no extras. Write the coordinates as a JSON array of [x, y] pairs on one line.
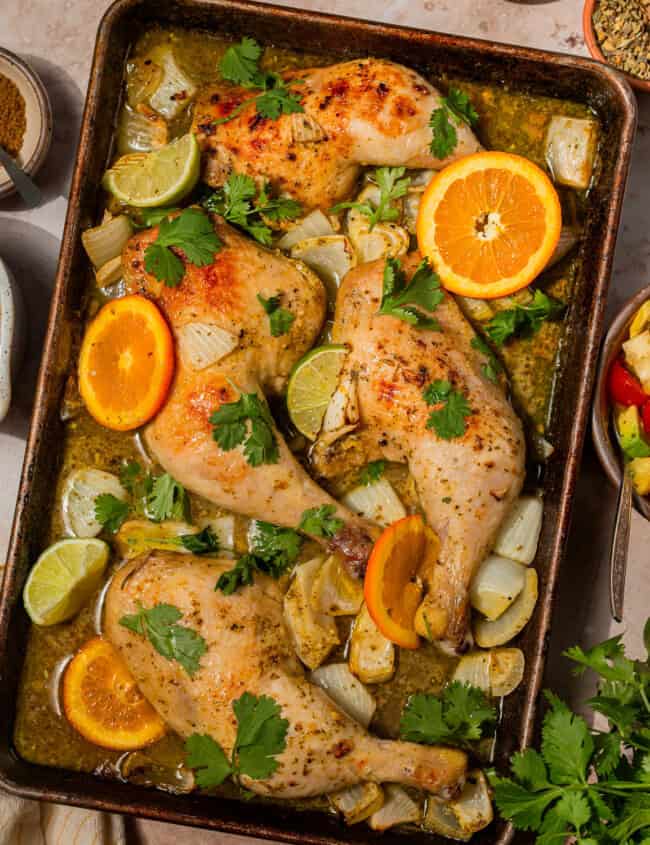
[[645, 417], [623, 387]]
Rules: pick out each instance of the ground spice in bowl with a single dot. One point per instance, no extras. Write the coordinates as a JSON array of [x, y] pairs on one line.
[[12, 116], [622, 28]]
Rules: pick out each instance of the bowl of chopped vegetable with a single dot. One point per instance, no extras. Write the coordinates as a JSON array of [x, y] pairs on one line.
[[621, 411], [617, 32]]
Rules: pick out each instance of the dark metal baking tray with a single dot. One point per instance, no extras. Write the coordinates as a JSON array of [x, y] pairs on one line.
[[530, 70]]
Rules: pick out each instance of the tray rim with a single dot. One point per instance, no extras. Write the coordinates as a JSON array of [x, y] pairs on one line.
[[618, 86]]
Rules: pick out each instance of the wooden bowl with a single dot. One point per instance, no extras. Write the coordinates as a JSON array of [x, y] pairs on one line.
[[38, 114], [592, 45], [607, 448]]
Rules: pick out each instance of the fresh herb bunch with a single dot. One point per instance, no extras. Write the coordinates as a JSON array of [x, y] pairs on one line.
[[247, 421], [261, 736], [392, 185], [320, 521], [240, 65], [584, 783], [280, 319], [523, 320], [400, 299], [462, 714], [372, 471], [240, 203], [448, 421], [273, 550], [454, 110], [193, 233], [159, 624]]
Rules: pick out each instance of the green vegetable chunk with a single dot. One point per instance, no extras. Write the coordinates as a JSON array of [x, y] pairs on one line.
[[449, 421], [191, 232], [461, 715], [392, 185], [247, 421], [175, 642], [320, 521], [399, 298]]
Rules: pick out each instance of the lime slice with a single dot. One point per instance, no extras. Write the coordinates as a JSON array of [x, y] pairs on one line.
[[163, 177], [311, 386], [63, 579]]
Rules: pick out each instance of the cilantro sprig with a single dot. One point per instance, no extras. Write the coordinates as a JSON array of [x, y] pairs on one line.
[[372, 471], [583, 783], [448, 421], [168, 499], [204, 542], [523, 320], [273, 550], [492, 367], [193, 233], [400, 299], [240, 65], [159, 624], [460, 715], [280, 319], [261, 737], [454, 110], [246, 422], [392, 185], [110, 512], [241, 204], [321, 521]]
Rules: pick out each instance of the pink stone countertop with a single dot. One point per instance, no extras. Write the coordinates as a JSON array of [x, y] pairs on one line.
[[57, 37]]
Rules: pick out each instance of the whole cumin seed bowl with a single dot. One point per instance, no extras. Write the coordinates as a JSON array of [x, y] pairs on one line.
[[594, 47]]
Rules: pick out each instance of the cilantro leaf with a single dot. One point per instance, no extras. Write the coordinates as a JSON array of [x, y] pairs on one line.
[[168, 499], [193, 233], [372, 471], [523, 320], [130, 473], [392, 186], [239, 63], [277, 100], [110, 511], [567, 744], [173, 641], [399, 299], [278, 548], [241, 575], [524, 808], [448, 421], [206, 757], [454, 110], [280, 320], [320, 521], [203, 543], [247, 421], [460, 715], [491, 368]]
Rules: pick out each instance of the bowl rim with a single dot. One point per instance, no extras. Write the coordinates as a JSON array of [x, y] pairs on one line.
[[596, 53], [608, 452], [7, 330], [33, 165]]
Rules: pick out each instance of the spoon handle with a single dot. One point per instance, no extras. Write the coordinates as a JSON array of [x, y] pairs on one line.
[[619, 550], [24, 185]]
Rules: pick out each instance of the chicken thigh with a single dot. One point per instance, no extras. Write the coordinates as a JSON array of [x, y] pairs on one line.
[[180, 437], [363, 112], [249, 650], [466, 484]]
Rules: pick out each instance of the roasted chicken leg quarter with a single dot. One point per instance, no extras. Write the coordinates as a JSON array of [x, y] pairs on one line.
[[249, 650], [364, 112], [466, 484]]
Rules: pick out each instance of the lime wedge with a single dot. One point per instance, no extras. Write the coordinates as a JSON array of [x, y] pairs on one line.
[[163, 177], [311, 386], [63, 579]]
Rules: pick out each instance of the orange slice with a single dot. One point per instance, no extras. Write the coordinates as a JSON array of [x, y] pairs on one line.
[[392, 586], [102, 701], [489, 224], [126, 363]]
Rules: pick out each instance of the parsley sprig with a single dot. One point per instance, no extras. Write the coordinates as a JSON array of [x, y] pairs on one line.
[[273, 550], [241, 204], [454, 110], [193, 233], [320, 521], [523, 320], [280, 319], [261, 736], [240, 65], [246, 421], [400, 299], [583, 783], [448, 421], [159, 624], [372, 471], [460, 715], [392, 185]]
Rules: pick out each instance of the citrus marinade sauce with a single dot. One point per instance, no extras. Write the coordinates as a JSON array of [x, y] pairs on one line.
[[509, 121]]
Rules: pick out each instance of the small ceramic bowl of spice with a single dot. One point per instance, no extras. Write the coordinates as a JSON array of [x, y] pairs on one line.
[[26, 124], [617, 32]]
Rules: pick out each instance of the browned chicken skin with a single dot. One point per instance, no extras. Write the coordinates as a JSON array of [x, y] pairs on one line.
[[466, 484], [224, 293], [363, 112], [249, 650]]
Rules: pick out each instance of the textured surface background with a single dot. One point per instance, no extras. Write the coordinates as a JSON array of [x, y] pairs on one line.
[[57, 37]]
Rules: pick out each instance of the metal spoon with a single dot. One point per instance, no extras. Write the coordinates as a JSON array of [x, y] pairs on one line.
[[620, 544], [24, 184]]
